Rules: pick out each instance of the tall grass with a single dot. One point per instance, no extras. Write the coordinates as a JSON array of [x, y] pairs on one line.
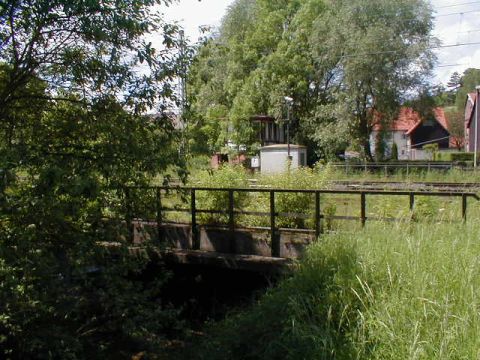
[[390, 291]]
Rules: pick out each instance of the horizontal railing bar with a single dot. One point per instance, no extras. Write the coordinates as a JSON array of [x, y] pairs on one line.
[[293, 230], [294, 215], [321, 191], [176, 210], [253, 213]]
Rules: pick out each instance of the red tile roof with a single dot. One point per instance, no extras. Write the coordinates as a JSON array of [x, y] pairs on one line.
[[439, 115], [408, 120]]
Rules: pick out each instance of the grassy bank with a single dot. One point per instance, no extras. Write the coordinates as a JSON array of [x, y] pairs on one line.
[[391, 291]]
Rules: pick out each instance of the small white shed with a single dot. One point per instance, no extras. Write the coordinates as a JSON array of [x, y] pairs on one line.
[[273, 158]]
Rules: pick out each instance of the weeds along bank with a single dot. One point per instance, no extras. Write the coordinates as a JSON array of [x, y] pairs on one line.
[[390, 291]]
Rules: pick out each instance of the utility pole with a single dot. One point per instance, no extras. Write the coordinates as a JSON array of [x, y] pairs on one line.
[[477, 93], [183, 77], [183, 91], [289, 102]]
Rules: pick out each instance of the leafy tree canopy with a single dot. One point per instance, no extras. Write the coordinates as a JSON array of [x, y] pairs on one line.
[[76, 81], [338, 60]]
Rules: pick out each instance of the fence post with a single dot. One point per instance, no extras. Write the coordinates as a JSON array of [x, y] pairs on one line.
[[412, 201], [231, 221], [363, 208], [464, 207], [274, 238], [318, 223], [129, 215], [195, 240], [159, 214]]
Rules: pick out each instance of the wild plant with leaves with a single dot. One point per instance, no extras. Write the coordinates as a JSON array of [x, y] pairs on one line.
[[76, 79]]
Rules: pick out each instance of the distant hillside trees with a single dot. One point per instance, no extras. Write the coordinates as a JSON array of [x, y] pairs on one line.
[[467, 83]]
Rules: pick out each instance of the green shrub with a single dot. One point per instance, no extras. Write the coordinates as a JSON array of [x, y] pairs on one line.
[[462, 156], [299, 203], [443, 156], [227, 176]]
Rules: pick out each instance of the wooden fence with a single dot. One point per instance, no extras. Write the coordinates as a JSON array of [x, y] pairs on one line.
[[232, 212]]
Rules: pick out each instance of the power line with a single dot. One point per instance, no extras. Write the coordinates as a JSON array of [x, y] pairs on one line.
[[453, 45], [396, 51], [448, 6], [450, 65], [458, 13], [459, 32]]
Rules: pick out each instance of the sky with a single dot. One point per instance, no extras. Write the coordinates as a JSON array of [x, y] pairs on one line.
[[456, 23]]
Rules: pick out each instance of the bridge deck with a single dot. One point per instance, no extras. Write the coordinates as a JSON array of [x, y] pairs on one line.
[[254, 263]]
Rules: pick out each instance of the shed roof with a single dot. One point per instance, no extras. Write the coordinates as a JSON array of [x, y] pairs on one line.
[[282, 147]]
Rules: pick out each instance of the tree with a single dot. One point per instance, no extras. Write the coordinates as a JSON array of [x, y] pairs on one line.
[[76, 79], [384, 54], [455, 82], [470, 79], [339, 60], [394, 155], [456, 127]]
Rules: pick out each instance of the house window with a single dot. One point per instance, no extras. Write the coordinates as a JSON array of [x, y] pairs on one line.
[[271, 132], [428, 122]]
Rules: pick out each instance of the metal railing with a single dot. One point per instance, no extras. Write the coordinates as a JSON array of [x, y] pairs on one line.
[[231, 211], [407, 166]]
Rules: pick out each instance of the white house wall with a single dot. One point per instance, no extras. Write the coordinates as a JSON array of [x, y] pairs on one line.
[[399, 137], [275, 160]]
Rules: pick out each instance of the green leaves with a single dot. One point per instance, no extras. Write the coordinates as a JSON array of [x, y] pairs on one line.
[[338, 60], [72, 132]]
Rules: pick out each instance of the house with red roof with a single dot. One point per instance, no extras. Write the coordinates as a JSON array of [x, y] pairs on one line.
[[410, 132], [470, 123]]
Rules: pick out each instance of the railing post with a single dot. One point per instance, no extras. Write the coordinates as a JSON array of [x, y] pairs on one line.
[[274, 238], [159, 214], [195, 240], [129, 215], [464, 207], [231, 221], [363, 208], [318, 224], [412, 201]]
